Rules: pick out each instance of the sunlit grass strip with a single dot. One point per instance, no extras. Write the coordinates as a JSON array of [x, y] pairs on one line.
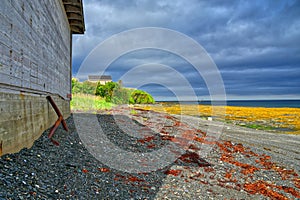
[[253, 117], [85, 102]]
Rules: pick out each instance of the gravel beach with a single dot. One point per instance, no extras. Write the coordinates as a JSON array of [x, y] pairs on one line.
[[242, 164]]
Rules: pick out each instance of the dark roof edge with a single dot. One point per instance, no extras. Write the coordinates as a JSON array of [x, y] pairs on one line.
[[74, 12]]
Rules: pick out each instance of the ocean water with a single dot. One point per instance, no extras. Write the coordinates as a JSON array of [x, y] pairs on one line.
[[249, 103]]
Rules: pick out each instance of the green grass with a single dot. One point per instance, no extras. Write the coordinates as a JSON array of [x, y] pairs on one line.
[[133, 112], [259, 127], [85, 102]]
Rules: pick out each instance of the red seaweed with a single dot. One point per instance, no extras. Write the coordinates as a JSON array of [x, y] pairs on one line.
[[174, 172]]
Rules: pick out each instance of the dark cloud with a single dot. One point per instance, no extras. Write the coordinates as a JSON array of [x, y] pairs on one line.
[[255, 44]]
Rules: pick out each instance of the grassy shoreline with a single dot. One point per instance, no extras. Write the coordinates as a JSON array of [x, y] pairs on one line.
[[283, 120], [86, 103]]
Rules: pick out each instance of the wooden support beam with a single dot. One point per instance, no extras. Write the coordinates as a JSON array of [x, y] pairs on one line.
[[58, 121]]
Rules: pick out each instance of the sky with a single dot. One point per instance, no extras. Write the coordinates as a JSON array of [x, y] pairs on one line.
[[254, 46]]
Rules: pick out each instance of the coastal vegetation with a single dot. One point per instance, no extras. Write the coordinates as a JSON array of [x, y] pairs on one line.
[[85, 87], [87, 102], [270, 119], [88, 96], [117, 94]]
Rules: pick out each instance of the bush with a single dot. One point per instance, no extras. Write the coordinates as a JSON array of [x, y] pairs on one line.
[[115, 93], [106, 90], [76, 86], [84, 88], [121, 95], [141, 97]]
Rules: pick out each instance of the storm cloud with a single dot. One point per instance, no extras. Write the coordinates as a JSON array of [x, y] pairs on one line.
[[255, 44]]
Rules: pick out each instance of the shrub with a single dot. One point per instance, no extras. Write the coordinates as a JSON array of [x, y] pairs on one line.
[[84, 88], [115, 93], [106, 90], [141, 97]]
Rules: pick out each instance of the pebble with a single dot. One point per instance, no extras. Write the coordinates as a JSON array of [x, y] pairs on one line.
[[47, 171]]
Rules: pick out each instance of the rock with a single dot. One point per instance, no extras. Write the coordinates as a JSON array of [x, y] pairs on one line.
[[47, 171]]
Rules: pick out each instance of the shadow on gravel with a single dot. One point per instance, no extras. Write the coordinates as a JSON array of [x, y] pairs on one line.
[[46, 171]]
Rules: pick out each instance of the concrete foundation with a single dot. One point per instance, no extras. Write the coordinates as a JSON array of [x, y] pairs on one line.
[[24, 117], [35, 61]]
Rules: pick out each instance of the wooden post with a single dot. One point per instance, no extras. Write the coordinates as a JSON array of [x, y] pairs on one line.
[[1, 148], [58, 121]]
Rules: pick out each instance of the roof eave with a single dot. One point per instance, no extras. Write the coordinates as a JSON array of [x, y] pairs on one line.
[[74, 12]]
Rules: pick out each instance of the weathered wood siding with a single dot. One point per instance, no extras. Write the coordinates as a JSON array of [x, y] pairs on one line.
[[34, 62]]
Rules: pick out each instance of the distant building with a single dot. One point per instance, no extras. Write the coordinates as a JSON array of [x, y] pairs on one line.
[[102, 79]]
